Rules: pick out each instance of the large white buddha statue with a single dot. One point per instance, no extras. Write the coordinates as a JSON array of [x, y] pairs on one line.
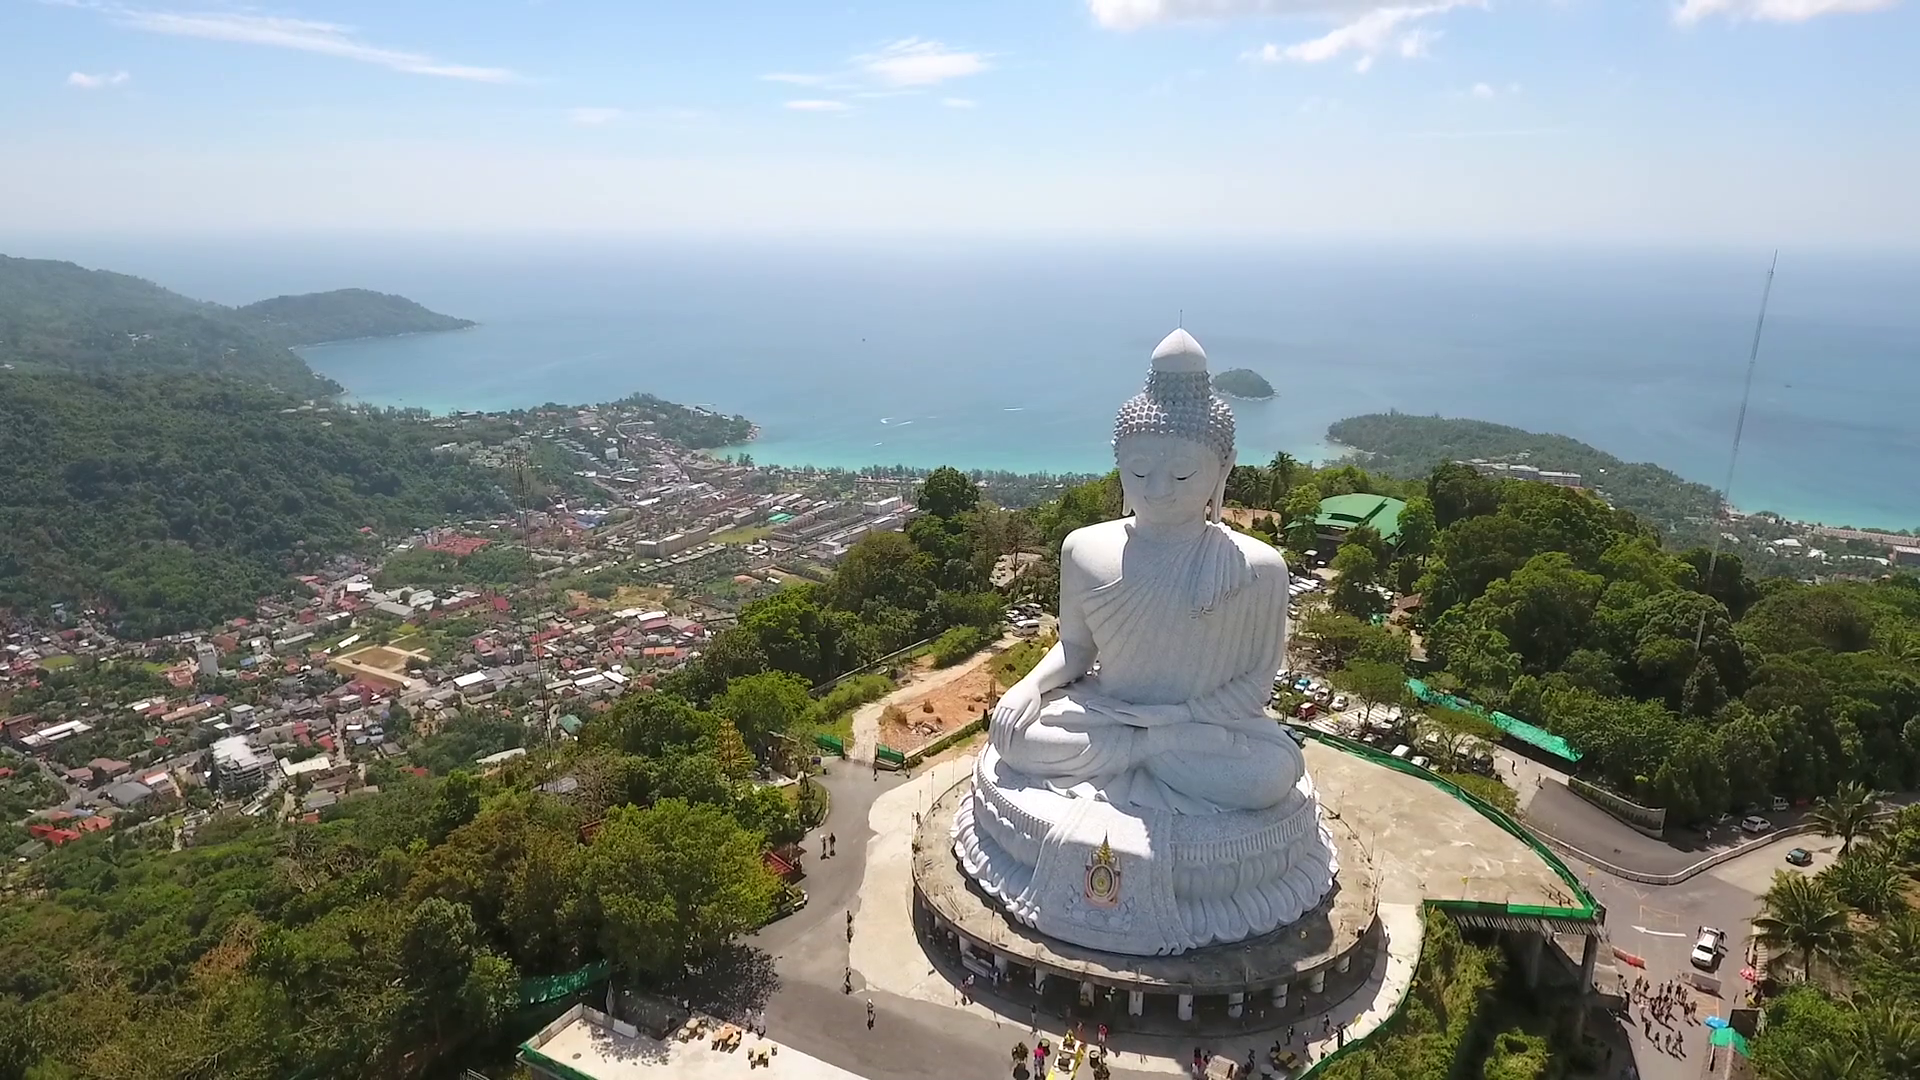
[[1135, 797]]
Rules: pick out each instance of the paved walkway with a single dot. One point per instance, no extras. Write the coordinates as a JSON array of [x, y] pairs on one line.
[[866, 719]]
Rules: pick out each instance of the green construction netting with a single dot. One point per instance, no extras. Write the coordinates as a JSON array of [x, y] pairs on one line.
[[541, 988], [1514, 726]]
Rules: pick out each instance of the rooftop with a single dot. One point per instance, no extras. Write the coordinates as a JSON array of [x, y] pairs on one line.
[[585, 1044], [1351, 511]]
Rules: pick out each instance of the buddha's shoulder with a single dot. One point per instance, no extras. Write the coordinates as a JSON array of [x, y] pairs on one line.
[[1095, 537], [1263, 558]]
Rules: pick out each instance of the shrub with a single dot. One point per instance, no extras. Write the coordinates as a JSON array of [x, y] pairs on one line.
[[957, 644]]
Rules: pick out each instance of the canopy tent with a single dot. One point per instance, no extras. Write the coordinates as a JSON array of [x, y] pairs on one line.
[[1537, 737], [1726, 1036]]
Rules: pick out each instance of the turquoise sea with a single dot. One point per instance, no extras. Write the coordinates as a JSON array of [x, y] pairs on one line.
[[1016, 357]]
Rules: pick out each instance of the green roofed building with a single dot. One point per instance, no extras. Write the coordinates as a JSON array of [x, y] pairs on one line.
[[1340, 514]]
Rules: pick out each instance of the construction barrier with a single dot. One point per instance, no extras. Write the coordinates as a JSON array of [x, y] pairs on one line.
[[831, 744], [889, 755]]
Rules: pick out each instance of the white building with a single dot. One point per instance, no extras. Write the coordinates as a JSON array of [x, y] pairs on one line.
[[238, 765]]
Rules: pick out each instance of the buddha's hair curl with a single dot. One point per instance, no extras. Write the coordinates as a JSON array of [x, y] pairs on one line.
[[1180, 403]]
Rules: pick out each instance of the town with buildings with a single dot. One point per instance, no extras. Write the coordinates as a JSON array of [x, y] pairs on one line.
[[643, 552]]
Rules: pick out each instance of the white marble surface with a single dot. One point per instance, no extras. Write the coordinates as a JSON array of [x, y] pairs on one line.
[[1163, 763]]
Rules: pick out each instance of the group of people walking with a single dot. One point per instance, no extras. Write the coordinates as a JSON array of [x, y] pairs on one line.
[[1667, 1004]]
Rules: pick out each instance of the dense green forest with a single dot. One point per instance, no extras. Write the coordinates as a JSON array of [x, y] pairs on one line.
[[1407, 446], [178, 500], [698, 429], [58, 315], [1688, 683], [343, 314]]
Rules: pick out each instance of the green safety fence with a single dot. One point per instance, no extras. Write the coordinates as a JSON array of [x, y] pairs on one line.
[[831, 744], [890, 755], [543, 988], [1527, 733]]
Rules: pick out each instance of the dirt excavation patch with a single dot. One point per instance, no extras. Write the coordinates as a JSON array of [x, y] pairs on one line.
[[914, 723]]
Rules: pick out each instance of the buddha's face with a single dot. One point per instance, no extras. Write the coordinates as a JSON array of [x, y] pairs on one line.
[[1167, 480]]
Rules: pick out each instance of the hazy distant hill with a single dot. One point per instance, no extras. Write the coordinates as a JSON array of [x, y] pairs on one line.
[[342, 314], [58, 315]]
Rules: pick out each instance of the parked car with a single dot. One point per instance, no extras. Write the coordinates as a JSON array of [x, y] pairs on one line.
[[1306, 710], [1800, 857], [1709, 947], [1422, 762], [1402, 751], [1340, 701], [1779, 804], [1754, 824]]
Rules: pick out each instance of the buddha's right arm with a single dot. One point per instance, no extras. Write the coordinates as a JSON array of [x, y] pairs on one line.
[[1065, 662]]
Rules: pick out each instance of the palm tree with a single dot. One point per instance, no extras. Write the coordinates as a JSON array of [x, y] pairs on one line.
[[1801, 915], [1897, 940], [1847, 813], [1827, 1060], [1280, 478], [1893, 1036], [1867, 880]]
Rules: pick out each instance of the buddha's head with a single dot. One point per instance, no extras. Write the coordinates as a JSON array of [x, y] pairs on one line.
[[1173, 441]]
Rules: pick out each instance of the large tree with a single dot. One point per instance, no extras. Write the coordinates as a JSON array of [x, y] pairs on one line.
[[763, 705], [674, 882], [1356, 591], [947, 493]]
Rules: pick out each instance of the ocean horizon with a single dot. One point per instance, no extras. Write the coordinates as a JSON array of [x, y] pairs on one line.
[[1015, 358]]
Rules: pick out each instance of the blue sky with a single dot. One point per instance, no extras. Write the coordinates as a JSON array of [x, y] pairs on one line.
[[1665, 121]]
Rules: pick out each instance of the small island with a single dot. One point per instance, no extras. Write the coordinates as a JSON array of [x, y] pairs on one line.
[[1242, 383], [343, 314]]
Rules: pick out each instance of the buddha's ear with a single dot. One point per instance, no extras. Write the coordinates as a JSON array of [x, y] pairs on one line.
[[1217, 509]]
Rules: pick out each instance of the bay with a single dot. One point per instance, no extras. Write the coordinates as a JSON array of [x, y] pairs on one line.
[[1015, 357]]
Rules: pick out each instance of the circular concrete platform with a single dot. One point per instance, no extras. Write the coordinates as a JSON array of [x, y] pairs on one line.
[[1323, 945]]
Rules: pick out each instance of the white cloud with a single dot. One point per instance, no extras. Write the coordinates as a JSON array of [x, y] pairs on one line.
[[1482, 90], [797, 80], [1371, 34], [1132, 14], [914, 62], [594, 116], [818, 105], [1789, 11], [300, 35], [84, 81], [958, 102]]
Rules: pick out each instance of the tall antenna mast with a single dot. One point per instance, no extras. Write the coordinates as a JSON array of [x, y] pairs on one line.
[[1739, 430]]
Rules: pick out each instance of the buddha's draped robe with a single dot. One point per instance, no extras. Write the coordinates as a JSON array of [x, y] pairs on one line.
[[1200, 624]]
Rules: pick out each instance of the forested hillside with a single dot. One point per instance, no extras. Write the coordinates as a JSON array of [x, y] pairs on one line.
[[177, 500], [58, 315], [1407, 446], [311, 318], [1688, 684], [389, 939]]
